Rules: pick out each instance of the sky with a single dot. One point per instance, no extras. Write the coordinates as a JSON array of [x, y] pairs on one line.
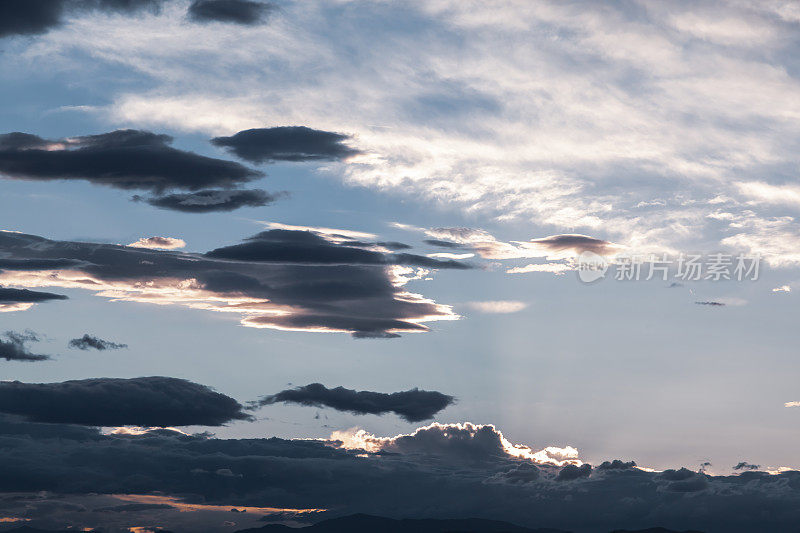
[[367, 229]]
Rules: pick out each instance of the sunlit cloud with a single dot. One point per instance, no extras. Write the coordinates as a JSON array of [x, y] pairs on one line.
[[553, 268], [497, 306], [358, 291], [455, 441], [159, 243]]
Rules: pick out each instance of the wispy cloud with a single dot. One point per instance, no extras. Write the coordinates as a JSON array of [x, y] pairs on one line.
[[498, 306]]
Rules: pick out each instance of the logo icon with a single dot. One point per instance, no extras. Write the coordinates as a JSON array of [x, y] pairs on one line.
[[591, 267]]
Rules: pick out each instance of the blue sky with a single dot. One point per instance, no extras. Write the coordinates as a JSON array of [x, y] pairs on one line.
[[648, 127]]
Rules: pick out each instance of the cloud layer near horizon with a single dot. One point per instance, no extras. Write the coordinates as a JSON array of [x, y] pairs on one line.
[[438, 470]]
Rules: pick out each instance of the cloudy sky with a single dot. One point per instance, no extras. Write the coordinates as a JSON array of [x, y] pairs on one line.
[[359, 227]]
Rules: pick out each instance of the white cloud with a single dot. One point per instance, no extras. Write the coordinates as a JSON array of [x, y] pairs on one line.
[[455, 442], [565, 114], [774, 194], [498, 306], [792, 404], [783, 288], [159, 243], [554, 268], [447, 255]]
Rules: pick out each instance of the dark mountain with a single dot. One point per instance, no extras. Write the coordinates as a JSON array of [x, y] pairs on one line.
[[29, 529], [654, 530], [361, 523]]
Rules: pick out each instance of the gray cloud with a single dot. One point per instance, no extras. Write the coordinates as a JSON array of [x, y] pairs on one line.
[[8, 295], [90, 341], [29, 16], [25, 17], [710, 303], [575, 243], [145, 401], [14, 348], [291, 246], [207, 201], [244, 12], [286, 143], [36, 264], [317, 284], [125, 159], [411, 405], [443, 244]]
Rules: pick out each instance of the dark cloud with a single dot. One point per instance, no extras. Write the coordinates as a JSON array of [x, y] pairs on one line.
[[234, 11], [90, 341], [125, 159], [207, 201], [744, 465], [576, 243], [390, 245], [711, 303], [36, 264], [29, 16], [8, 295], [394, 245], [443, 244], [145, 401], [286, 143], [411, 405], [14, 348], [430, 475], [292, 246], [316, 284], [572, 472], [25, 17], [684, 480], [616, 464]]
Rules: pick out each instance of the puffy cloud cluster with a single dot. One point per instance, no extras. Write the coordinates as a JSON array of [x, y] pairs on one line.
[[465, 442]]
